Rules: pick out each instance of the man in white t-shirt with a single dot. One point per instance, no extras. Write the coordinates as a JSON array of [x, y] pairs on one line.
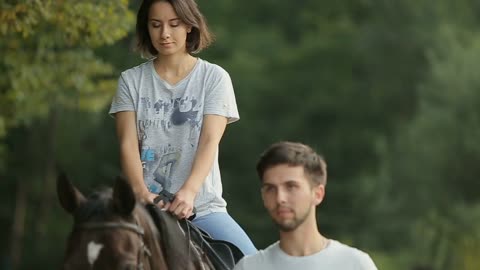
[[293, 179]]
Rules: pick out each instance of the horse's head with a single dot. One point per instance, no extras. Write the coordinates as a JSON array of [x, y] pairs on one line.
[[111, 231]]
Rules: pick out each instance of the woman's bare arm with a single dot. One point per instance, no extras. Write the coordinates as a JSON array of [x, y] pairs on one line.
[[212, 131], [130, 154]]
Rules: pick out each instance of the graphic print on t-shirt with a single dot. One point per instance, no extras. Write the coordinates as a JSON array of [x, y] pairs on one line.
[[178, 121]]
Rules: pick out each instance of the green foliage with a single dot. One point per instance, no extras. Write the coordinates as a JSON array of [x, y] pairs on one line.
[[49, 59], [66, 23], [449, 106], [48, 69], [431, 167], [74, 79], [450, 238]]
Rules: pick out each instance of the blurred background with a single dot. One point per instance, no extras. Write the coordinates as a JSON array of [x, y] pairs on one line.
[[388, 91]]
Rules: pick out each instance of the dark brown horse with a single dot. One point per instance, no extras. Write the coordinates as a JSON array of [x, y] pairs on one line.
[[112, 231]]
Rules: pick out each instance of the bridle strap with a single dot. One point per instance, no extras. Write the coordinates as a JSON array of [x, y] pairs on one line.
[[111, 225]]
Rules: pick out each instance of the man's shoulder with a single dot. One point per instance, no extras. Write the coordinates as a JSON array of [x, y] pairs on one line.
[[340, 247], [258, 259], [357, 256]]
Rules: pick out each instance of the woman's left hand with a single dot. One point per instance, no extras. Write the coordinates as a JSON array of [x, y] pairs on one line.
[[182, 206]]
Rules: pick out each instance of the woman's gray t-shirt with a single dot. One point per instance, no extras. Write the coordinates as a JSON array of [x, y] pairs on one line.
[[169, 120]]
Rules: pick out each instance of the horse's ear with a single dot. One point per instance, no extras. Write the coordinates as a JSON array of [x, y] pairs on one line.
[[69, 196], [123, 197]]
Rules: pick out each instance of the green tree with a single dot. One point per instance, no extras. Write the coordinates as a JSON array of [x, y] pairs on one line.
[[432, 167], [48, 67]]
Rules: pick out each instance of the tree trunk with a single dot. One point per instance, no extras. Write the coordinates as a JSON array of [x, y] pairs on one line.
[[18, 225], [48, 193]]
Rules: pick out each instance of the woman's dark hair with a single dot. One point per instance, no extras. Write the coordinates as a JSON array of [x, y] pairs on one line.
[[198, 39]]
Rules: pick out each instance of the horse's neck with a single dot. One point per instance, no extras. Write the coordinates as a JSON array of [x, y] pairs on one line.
[[177, 248], [156, 260], [160, 257]]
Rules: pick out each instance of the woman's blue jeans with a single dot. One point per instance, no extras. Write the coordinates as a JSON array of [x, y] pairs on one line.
[[220, 225]]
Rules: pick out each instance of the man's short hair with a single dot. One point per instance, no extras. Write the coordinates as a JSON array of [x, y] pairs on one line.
[[294, 154]]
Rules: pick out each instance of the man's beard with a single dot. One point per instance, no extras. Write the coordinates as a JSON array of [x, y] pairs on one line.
[[291, 224]]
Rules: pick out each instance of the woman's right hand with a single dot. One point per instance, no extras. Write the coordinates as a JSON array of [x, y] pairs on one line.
[[149, 197]]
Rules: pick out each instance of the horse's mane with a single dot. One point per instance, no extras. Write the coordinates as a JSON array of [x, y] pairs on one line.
[[180, 251]]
